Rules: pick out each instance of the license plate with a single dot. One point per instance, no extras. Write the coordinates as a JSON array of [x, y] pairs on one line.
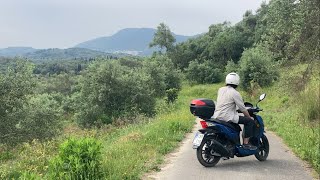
[[197, 140]]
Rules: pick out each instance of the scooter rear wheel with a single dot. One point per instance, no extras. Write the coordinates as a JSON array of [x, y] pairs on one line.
[[263, 152], [205, 154]]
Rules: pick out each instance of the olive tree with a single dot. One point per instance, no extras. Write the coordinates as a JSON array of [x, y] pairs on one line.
[[257, 66], [163, 38]]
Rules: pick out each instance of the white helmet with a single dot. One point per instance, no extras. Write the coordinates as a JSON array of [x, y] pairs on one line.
[[233, 78]]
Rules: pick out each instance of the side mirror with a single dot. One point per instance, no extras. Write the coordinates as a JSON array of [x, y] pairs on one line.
[[262, 96]]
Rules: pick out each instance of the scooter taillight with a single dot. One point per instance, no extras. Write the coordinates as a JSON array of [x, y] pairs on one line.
[[203, 124]]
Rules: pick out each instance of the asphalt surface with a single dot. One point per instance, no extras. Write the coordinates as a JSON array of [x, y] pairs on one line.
[[281, 164]]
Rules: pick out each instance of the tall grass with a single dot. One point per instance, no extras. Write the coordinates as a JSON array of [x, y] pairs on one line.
[[292, 111], [310, 102]]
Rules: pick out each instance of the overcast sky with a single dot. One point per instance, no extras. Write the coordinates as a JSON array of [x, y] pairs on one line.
[[65, 23]]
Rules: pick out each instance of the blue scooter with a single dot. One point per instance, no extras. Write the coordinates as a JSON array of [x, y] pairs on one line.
[[220, 139]]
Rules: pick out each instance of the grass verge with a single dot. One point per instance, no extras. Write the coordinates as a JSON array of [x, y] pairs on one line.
[[141, 148], [128, 152], [292, 111]]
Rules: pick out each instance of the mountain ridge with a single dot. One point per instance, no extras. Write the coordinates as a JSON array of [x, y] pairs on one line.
[[131, 41], [128, 39], [16, 51]]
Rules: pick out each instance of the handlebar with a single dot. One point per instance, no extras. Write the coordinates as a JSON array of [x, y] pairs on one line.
[[256, 109], [252, 109]]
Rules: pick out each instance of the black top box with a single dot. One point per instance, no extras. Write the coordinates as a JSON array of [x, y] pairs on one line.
[[203, 108]]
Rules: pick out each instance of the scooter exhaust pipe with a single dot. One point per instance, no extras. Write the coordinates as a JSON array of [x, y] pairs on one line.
[[219, 148]]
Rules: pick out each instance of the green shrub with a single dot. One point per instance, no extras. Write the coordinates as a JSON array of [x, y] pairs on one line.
[[257, 67], [172, 75], [203, 73], [58, 83], [172, 95], [157, 77], [71, 104], [109, 90], [23, 115], [231, 67], [164, 75], [77, 159], [15, 85], [42, 117], [38, 118]]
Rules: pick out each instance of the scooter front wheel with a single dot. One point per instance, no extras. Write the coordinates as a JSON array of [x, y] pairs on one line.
[[263, 152], [206, 155]]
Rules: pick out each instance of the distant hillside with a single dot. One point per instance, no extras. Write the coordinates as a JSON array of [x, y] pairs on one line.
[[16, 51], [70, 53], [134, 41], [131, 40], [55, 53]]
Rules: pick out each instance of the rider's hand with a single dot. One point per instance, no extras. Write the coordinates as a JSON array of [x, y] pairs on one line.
[[252, 118]]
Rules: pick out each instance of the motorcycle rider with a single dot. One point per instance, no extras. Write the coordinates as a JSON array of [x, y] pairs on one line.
[[226, 108]]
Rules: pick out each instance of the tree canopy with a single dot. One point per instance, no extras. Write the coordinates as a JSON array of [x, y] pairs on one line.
[[163, 38]]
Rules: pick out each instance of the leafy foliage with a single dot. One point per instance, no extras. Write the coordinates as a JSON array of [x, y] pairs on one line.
[[309, 15], [292, 29], [58, 83], [289, 29], [256, 66], [110, 90], [232, 67], [77, 159], [202, 73], [222, 43], [164, 75], [23, 115], [15, 85], [52, 67], [41, 117], [172, 95], [163, 37]]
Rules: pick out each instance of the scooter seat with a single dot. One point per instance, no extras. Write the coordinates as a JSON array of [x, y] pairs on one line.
[[231, 125]]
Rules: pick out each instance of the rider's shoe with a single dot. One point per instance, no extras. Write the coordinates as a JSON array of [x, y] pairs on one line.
[[249, 146]]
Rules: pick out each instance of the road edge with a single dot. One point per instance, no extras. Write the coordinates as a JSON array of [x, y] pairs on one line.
[[171, 156], [303, 163]]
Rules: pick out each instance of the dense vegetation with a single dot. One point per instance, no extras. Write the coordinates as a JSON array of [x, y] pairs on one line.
[[131, 105]]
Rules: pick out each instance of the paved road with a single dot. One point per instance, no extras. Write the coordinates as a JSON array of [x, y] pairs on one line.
[[281, 164]]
